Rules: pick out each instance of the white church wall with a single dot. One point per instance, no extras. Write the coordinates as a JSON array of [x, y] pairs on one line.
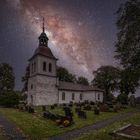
[[68, 96], [88, 95], [47, 92], [44, 91], [42, 59]]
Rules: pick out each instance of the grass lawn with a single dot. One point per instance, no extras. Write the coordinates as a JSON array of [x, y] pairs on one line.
[[103, 134], [36, 127]]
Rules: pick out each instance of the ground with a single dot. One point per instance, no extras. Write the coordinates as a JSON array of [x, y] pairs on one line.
[[104, 133], [36, 127]]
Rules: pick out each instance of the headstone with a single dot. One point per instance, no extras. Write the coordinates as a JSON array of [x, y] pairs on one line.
[[132, 101], [43, 108], [82, 114]]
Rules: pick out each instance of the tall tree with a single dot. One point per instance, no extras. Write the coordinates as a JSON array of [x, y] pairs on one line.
[[128, 44], [25, 79], [128, 81], [7, 79], [82, 80], [106, 78], [64, 75]]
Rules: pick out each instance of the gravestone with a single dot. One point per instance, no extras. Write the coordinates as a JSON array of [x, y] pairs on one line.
[[82, 114], [132, 101]]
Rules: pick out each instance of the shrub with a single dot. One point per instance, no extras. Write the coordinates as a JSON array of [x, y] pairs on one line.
[[104, 108], [9, 99], [66, 123], [87, 107], [123, 98]]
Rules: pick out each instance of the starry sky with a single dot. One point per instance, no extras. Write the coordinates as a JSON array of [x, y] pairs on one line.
[[82, 33]]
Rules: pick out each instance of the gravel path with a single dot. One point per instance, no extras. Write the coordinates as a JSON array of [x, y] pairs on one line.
[[10, 130], [78, 132]]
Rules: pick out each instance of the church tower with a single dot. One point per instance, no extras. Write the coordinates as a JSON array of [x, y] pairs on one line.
[[42, 89]]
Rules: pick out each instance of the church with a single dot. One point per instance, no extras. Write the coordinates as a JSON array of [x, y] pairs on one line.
[[44, 88]]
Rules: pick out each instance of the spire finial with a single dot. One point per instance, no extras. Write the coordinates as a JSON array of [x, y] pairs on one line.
[[43, 25]]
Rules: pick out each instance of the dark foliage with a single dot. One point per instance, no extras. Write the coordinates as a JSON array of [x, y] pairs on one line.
[[9, 99], [82, 80], [64, 75], [106, 78], [7, 79]]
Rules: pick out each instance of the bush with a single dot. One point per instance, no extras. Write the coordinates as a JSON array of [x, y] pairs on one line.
[[87, 107], [9, 99], [104, 108], [123, 98], [66, 123]]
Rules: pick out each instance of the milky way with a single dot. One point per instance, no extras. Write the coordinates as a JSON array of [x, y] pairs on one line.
[[75, 29]]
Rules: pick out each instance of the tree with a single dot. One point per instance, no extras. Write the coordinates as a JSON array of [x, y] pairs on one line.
[[64, 75], [9, 99], [25, 79], [106, 78], [128, 43], [128, 81], [82, 80], [122, 98], [7, 79]]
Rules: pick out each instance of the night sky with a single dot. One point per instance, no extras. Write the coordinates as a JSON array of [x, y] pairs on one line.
[[82, 33]]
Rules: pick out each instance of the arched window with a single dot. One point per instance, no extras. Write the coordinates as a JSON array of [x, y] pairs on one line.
[[31, 86], [73, 96], [98, 96], [50, 67], [31, 99], [81, 96], [63, 96], [44, 66], [34, 66]]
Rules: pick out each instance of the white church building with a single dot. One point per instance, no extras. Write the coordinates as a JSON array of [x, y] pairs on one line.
[[44, 88]]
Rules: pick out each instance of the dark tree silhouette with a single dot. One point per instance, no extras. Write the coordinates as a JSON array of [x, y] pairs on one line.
[[106, 78], [82, 80], [64, 75], [128, 45], [7, 79], [25, 79]]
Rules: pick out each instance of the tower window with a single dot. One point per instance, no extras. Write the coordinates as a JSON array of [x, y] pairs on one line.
[[73, 96], [44, 66], [81, 96], [63, 96], [50, 67]]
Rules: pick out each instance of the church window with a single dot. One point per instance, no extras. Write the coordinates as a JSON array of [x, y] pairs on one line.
[[34, 66], [44, 66], [31, 99], [73, 96], [98, 96], [63, 96], [81, 96], [50, 67], [31, 86]]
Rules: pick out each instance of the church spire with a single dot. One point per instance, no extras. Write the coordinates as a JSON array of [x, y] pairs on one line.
[[43, 25], [43, 39]]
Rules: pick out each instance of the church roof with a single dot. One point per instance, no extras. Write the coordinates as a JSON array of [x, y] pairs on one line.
[[76, 87], [44, 51]]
